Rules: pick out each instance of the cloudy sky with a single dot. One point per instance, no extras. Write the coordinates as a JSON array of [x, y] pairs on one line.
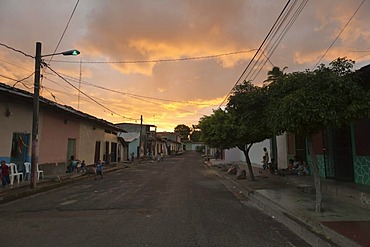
[[171, 61]]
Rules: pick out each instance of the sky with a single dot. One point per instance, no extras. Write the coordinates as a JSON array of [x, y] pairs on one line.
[[171, 61]]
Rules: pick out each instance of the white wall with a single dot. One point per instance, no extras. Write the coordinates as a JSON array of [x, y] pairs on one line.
[[255, 153], [234, 154], [282, 151]]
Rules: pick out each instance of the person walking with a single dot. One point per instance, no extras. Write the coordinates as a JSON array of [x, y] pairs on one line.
[[99, 169]]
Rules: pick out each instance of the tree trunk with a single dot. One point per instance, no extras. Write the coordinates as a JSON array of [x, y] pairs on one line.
[[249, 164], [316, 176]]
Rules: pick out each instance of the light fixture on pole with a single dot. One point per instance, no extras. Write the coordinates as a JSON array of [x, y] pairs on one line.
[[36, 102]]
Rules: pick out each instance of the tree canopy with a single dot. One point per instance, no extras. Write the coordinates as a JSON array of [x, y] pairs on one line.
[[307, 102], [183, 130]]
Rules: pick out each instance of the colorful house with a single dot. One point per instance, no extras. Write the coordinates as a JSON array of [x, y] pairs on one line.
[[63, 132]]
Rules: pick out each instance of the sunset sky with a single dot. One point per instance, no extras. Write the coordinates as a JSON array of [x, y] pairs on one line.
[[171, 61]]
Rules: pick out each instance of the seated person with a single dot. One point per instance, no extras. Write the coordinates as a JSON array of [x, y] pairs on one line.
[[290, 170], [297, 162], [304, 169], [273, 166]]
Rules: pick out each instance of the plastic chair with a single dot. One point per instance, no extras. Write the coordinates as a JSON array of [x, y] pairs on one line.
[[39, 172], [27, 170], [14, 173]]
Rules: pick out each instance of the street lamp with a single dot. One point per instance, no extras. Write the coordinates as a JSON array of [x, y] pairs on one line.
[[36, 100]]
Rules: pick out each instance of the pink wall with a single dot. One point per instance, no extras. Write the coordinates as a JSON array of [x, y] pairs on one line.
[[54, 135]]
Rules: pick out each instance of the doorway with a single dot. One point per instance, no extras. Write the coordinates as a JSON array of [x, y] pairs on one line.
[[20, 149], [97, 152], [71, 149], [338, 154]]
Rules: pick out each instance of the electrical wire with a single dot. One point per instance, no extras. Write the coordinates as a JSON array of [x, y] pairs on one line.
[[23, 79], [336, 38], [258, 50], [160, 60], [19, 51], [281, 36], [130, 94], [103, 106], [65, 29], [259, 61]]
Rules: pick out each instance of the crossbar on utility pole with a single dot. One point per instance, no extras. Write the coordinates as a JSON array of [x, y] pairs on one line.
[[35, 120]]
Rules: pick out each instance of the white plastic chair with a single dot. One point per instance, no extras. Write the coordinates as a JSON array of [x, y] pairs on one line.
[[14, 173], [39, 172], [27, 170]]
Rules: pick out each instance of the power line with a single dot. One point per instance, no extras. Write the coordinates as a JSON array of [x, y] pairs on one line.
[[160, 60], [23, 79], [276, 43], [131, 94], [81, 91], [19, 51], [258, 50], [17, 81], [259, 61], [65, 29], [332, 43]]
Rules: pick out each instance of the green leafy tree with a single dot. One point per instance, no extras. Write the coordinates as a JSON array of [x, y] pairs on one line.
[[274, 74], [195, 136], [217, 129], [183, 130], [308, 102], [248, 107], [242, 124]]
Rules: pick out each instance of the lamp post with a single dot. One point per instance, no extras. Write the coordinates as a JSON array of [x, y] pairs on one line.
[[36, 102]]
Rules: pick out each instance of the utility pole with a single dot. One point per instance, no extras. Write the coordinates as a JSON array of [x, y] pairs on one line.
[[155, 136], [35, 119], [141, 130], [36, 108]]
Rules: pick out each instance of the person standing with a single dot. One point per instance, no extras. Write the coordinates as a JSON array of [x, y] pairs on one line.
[[5, 179], [266, 158]]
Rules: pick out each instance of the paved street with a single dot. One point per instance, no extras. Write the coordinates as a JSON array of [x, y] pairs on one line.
[[173, 203]]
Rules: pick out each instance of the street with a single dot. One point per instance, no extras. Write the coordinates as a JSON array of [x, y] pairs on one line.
[[177, 202]]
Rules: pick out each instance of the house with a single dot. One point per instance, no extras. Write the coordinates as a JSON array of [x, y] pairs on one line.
[[172, 142], [131, 141], [146, 141], [342, 154], [63, 132]]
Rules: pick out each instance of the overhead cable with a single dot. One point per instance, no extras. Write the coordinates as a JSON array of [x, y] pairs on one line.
[[258, 50], [160, 60], [332, 43]]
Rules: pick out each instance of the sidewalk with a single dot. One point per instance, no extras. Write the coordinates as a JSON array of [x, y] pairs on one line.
[[345, 216], [22, 189]]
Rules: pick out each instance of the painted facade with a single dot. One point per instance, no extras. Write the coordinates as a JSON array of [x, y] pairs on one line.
[[146, 130], [342, 154], [63, 132]]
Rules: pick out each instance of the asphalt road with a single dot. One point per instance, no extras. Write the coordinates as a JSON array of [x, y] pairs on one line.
[[177, 202]]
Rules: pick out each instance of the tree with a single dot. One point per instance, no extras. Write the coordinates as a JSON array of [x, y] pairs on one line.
[[308, 102], [183, 131], [242, 124], [217, 129], [195, 136], [248, 107], [274, 74]]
